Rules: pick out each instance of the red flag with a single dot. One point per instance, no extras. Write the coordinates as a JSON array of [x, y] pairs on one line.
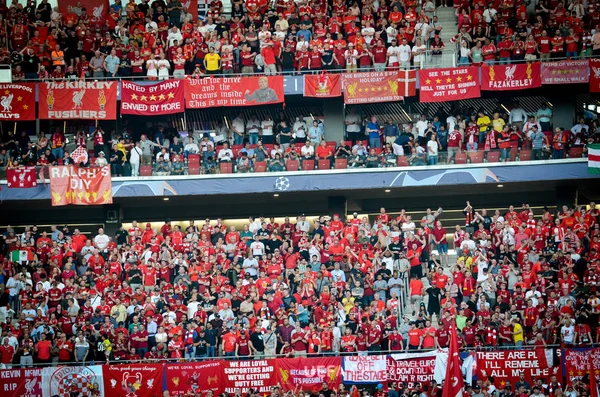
[[322, 85], [453, 384], [594, 75], [593, 383], [21, 177]]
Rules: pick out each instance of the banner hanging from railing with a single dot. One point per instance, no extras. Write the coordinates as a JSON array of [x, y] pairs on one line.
[[243, 374], [72, 381], [17, 101], [191, 378], [323, 85], [97, 11], [233, 91], [595, 75], [166, 97], [70, 184], [78, 100], [577, 363], [411, 368], [21, 382], [452, 84], [507, 365], [519, 76], [364, 369], [132, 380], [370, 87], [566, 72], [309, 374]]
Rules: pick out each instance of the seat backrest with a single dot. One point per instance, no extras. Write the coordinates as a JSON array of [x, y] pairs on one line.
[[341, 163], [292, 165]]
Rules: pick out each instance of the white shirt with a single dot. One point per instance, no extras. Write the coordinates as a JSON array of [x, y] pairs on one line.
[[163, 67], [353, 118], [488, 14], [299, 129], [391, 33], [432, 148], [172, 36], [101, 241], [451, 122], [307, 151], [252, 126], [368, 34], [419, 57], [404, 52], [191, 148], [258, 248], [517, 115], [238, 125], [267, 127], [250, 266], [225, 154], [393, 54], [350, 56], [421, 127]]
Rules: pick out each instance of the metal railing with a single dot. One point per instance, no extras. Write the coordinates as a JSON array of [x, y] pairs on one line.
[[201, 170], [167, 360]]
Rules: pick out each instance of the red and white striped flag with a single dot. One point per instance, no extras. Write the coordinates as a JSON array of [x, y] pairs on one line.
[[22, 177], [80, 155]]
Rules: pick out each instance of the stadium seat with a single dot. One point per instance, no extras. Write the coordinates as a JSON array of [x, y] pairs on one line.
[[236, 149], [460, 158], [576, 152], [402, 161], [476, 157], [260, 166], [493, 157], [332, 146], [525, 155], [226, 168], [513, 153], [194, 160], [377, 151], [268, 147], [292, 165], [145, 170], [341, 163], [324, 164], [193, 170], [308, 165]]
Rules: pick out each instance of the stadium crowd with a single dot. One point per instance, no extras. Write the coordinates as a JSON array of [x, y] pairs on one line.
[[159, 39], [250, 144], [329, 286]]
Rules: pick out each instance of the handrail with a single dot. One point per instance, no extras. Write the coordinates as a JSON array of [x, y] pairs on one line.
[[427, 64], [167, 360]]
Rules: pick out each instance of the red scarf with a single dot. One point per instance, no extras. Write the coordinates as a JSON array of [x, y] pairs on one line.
[[490, 141]]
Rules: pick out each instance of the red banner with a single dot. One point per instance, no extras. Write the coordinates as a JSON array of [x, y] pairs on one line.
[[21, 177], [80, 186], [411, 368], [69, 100], [579, 362], [96, 9], [324, 85], [235, 91], [565, 72], [192, 378], [17, 101], [407, 82], [510, 77], [370, 87], [308, 374], [256, 374], [451, 84], [192, 7], [507, 365], [594, 75], [21, 382], [166, 97]]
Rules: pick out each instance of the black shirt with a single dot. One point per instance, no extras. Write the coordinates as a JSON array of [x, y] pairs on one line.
[[30, 63]]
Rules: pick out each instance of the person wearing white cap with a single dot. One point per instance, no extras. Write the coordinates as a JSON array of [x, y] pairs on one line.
[[101, 160]]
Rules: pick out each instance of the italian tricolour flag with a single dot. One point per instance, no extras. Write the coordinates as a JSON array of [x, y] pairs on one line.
[[594, 158]]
